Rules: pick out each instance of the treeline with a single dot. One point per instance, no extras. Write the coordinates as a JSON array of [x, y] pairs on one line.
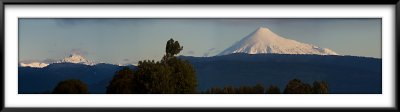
[[257, 89], [294, 86]]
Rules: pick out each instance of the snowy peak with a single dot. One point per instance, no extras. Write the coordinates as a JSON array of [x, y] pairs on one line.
[[263, 34], [263, 40], [75, 58]]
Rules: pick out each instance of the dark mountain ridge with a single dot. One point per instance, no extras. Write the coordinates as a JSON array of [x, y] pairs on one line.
[[39, 80], [344, 74]]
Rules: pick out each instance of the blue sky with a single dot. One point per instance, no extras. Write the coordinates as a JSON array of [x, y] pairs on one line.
[[130, 40]]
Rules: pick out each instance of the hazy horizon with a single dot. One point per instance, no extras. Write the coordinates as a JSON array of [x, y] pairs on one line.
[[122, 41]]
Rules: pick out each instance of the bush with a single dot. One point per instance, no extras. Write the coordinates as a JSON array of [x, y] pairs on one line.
[[273, 90], [121, 82], [295, 86], [320, 87], [71, 86]]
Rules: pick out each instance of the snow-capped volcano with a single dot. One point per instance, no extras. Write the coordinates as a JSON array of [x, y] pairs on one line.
[[263, 40], [75, 58]]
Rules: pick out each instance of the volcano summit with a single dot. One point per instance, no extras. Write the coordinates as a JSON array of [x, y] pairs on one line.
[[263, 40]]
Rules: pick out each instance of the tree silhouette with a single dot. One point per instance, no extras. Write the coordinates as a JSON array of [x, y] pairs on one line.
[[71, 86], [215, 90], [183, 77], [258, 89], [229, 90], [153, 77], [320, 87], [121, 82], [273, 90], [295, 86], [172, 48]]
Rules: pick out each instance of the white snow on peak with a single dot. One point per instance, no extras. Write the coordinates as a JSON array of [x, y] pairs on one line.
[[75, 58], [263, 40], [34, 65]]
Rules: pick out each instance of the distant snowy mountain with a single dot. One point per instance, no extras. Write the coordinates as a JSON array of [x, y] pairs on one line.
[[75, 58], [263, 40], [34, 65]]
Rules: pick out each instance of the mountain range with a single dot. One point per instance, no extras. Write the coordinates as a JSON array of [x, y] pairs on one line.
[[73, 58], [344, 74]]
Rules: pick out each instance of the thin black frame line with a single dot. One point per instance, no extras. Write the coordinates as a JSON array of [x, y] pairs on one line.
[[213, 18], [64, 109], [197, 18], [275, 2], [397, 15], [2, 55], [396, 51], [234, 18]]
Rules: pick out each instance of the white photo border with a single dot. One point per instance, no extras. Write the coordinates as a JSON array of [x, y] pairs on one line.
[[385, 12]]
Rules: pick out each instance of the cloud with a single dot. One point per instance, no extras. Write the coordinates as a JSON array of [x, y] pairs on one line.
[[40, 61], [125, 60], [210, 51], [72, 22], [191, 52], [49, 61], [79, 52], [206, 54], [29, 61], [128, 62], [79, 21]]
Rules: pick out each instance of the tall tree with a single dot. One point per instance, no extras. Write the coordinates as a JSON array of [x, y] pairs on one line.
[[172, 48], [170, 75]]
